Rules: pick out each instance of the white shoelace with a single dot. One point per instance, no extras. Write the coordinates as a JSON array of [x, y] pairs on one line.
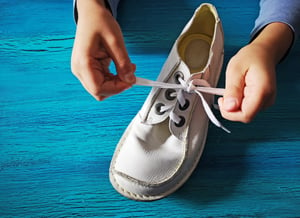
[[198, 86]]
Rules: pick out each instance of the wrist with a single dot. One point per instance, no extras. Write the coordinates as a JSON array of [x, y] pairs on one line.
[[275, 39], [90, 8]]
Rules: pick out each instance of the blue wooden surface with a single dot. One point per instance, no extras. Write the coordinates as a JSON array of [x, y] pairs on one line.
[[57, 142]]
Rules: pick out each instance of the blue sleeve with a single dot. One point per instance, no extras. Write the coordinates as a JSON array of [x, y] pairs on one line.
[[284, 11], [112, 4]]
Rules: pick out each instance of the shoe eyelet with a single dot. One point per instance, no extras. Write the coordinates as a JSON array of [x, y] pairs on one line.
[[158, 108], [178, 75], [181, 122], [168, 94], [185, 106]]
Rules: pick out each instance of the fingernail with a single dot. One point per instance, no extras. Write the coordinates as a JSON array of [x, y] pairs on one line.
[[129, 78], [230, 104]]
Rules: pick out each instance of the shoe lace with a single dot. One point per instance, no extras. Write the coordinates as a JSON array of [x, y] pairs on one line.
[[197, 86]]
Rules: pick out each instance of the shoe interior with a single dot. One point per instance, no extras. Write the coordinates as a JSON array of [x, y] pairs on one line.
[[194, 45]]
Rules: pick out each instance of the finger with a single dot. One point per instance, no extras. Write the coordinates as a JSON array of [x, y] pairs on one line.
[[241, 115], [234, 87], [107, 88], [257, 98], [253, 101], [113, 86], [236, 115], [96, 79]]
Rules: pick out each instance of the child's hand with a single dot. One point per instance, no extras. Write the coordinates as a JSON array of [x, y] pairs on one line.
[[98, 41], [250, 84], [250, 75]]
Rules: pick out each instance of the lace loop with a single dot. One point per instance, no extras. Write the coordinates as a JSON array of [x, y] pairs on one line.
[[197, 86]]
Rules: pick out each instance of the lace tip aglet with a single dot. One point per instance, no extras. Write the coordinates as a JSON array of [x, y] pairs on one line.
[[225, 129]]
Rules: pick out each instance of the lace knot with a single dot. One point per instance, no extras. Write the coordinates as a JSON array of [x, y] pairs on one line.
[[187, 86]]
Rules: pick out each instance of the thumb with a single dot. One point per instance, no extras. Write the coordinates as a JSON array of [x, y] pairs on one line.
[[234, 88]]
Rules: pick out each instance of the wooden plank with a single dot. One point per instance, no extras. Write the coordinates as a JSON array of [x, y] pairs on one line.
[[57, 142]]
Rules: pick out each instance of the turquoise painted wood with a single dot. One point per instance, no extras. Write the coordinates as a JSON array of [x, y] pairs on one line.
[[57, 141]]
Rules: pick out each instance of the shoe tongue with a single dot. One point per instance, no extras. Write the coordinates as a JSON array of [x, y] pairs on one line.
[[183, 67], [199, 75]]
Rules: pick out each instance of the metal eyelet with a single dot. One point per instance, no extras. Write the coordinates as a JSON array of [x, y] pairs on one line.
[[158, 108], [185, 106], [181, 122], [178, 75], [168, 94]]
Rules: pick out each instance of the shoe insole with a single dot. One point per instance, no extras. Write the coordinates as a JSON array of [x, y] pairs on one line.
[[194, 51]]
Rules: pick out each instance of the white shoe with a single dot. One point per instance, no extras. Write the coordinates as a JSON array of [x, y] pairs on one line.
[[163, 144]]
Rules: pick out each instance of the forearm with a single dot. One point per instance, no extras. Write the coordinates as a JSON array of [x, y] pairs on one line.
[[276, 38]]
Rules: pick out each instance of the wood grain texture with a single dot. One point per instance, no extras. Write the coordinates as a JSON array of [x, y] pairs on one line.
[[57, 142]]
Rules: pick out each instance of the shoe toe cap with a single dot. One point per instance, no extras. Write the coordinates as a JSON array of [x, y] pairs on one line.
[[133, 189]]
